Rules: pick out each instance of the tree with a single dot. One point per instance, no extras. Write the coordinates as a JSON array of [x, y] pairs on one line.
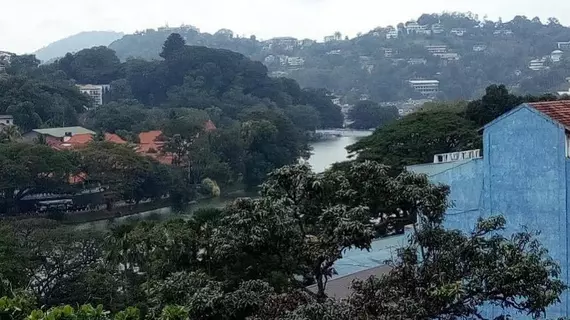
[[496, 101], [173, 44], [448, 274], [26, 169], [304, 117], [368, 114], [97, 65], [416, 138]]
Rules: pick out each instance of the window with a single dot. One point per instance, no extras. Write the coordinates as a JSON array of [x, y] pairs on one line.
[[7, 121]]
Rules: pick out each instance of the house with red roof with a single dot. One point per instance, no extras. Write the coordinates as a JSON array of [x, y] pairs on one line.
[[522, 173]]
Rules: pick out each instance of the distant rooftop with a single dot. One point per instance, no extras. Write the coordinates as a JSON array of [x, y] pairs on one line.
[[6, 116], [557, 110], [61, 132]]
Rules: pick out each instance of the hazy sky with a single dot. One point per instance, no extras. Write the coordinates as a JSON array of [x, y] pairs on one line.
[[26, 25]]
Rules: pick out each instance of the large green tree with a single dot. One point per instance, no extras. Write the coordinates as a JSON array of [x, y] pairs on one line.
[[369, 115], [416, 138]]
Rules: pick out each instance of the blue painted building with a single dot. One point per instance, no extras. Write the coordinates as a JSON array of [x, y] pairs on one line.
[[523, 173]]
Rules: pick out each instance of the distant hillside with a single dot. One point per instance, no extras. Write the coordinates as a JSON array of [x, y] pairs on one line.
[[464, 53], [77, 42]]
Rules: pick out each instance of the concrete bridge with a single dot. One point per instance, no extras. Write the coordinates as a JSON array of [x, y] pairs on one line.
[[345, 132]]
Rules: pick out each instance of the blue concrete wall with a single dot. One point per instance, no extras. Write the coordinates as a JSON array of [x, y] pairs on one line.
[[523, 175]]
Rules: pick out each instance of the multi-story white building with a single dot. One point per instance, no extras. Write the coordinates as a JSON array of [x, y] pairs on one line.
[[436, 48], [426, 87], [537, 64], [460, 32], [94, 91], [437, 28], [414, 27], [392, 33], [556, 55], [295, 61]]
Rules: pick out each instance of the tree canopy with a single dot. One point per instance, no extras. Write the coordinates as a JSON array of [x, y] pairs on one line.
[[370, 115], [254, 258]]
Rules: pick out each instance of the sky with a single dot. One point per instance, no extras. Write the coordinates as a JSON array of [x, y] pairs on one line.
[[27, 25]]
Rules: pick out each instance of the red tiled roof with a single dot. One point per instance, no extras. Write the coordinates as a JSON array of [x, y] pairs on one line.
[[557, 110], [149, 137], [79, 139], [111, 137]]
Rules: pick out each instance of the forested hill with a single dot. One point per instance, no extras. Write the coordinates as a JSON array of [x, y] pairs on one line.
[[475, 53], [76, 43]]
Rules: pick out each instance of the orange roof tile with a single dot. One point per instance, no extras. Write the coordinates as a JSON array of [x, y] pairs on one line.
[[557, 110], [79, 139], [111, 137], [149, 136]]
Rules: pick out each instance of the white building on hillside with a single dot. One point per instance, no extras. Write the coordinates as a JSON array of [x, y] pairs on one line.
[[460, 32], [537, 64], [556, 55], [413, 27], [437, 28], [436, 48], [392, 33], [94, 91], [426, 87]]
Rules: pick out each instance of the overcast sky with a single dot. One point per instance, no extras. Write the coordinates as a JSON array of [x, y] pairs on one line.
[[27, 25]]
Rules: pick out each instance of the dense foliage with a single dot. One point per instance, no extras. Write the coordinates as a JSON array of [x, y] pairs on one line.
[[253, 259], [489, 52], [369, 115], [439, 127], [259, 123]]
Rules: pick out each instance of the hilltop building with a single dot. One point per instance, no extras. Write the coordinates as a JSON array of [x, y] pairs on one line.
[[392, 33], [413, 27], [523, 173], [437, 28], [425, 87]]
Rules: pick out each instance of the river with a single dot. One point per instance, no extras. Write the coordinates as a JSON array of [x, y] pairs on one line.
[[324, 154]]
